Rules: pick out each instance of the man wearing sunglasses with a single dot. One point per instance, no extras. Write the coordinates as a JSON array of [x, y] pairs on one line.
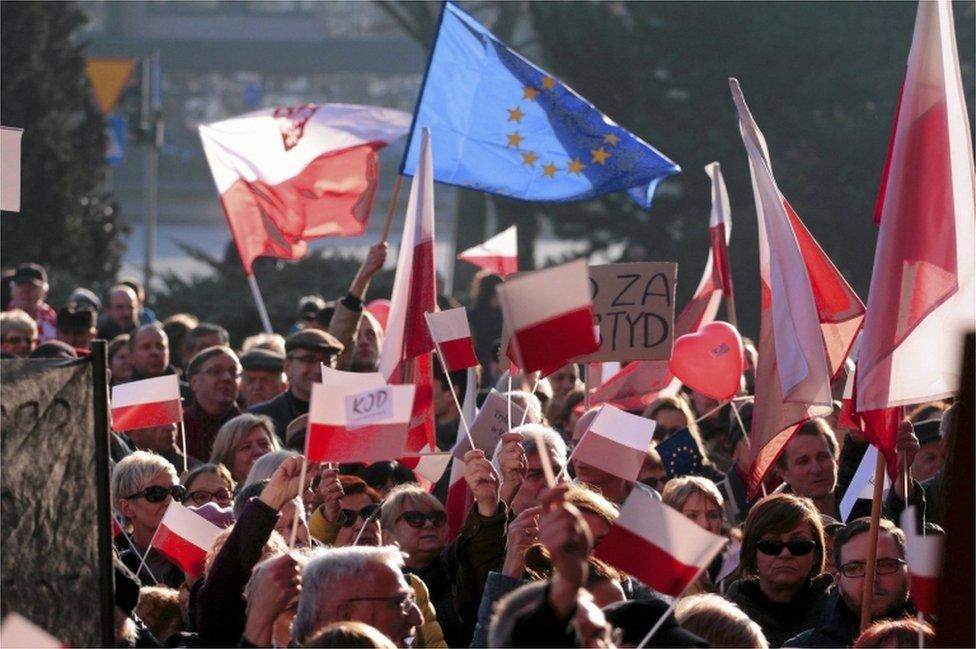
[[839, 625], [305, 353]]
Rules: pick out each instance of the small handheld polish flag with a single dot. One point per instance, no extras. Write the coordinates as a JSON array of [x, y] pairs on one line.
[[452, 336], [658, 545], [184, 537], [924, 554], [498, 254], [550, 315], [146, 403], [616, 442]]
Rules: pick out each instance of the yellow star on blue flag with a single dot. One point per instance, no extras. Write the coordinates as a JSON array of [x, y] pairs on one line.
[[477, 92], [680, 455]]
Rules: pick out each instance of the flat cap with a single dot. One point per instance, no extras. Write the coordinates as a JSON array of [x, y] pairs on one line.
[[30, 272], [928, 431], [75, 320], [313, 339], [263, 359]]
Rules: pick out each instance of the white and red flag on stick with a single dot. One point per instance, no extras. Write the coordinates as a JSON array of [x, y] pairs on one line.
[[348, 424], [459, 497], [146, 403], [407, 355], [658, 545], [498, 254], [290, 174], [451, 334], [641, 382], [922, 285], [616, 442], [809, 314], [924, 554], [550, 315], [184, 537]]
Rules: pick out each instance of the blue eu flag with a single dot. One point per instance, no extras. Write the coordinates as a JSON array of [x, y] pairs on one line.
[[680, 455], [501, 125]]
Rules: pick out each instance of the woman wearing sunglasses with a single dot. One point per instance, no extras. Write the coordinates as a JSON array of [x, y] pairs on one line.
[[143, 484], [782, 559], [348, 506]]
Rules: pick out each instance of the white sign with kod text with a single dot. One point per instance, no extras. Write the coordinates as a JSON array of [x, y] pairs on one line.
[[371, 406]]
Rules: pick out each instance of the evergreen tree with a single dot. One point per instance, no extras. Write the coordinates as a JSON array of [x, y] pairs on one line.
[[67, 221]]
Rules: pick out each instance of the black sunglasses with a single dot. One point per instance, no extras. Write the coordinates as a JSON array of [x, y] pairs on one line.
[[157, 494], [796, 548], [413, 518], [347, 517]]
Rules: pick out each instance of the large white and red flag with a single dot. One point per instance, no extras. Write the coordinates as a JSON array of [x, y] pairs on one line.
[[184, 537], [641, 382], [290, 174], [407, 355], [658, 545], [924, 554], [451, 334], [498, 254], [616, 442], [550, 315], [922, 285], [146, 403], [349, 424], [809, 314]]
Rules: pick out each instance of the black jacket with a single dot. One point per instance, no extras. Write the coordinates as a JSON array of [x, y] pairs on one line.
[[282, 409], [837, 626], [780, 622]]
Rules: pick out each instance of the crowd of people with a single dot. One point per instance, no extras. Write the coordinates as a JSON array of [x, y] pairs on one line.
[[377, 562]]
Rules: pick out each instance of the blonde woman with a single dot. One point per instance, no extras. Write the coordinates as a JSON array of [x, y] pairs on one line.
[[241, 441], [699, 500]]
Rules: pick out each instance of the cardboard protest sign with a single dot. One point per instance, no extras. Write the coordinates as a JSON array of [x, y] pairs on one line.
[[489, 425], [333, 437], [633, 304]]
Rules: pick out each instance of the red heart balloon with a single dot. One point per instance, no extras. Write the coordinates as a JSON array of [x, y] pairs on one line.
[[710, 361]]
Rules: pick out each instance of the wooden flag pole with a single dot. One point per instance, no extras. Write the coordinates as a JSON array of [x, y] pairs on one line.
[[392, 208], [868, 592]]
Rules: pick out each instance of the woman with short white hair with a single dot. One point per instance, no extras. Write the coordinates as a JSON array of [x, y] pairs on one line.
[[143, 485]]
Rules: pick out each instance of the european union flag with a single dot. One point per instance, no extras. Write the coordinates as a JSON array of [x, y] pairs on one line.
[[501, 125], [680, 455]]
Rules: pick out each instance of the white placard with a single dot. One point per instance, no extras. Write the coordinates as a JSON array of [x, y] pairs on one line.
[[369, 407]]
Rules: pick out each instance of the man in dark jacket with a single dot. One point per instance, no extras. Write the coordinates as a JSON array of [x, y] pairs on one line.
[[305, 353], [839, 625]]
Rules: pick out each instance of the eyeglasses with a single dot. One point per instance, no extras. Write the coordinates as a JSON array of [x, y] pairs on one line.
[[405, 601], [413, 518], [854, 569], [18, 340], [217, 372], [347, 517], [655, 483], [157, 494], [310, 359], [222, 496], [796, 548]]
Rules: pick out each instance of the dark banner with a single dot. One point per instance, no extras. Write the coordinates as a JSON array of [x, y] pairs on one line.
[[47, 498]]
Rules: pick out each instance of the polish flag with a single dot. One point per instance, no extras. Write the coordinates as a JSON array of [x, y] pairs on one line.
[[459, 498], [290, 174], [922, 285], [331, 438], [428, 467], [146, 403], [658, 545], [616, 442], [924, 556], [184, 537], [498, 254], [809, 314], [551, 316], [641, 382], [452, 335], [407, 354]]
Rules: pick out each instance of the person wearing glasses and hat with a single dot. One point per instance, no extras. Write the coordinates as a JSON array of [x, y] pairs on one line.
[[305, 353], [839, 624], [781, 560], [28, 288], [143, 484]]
